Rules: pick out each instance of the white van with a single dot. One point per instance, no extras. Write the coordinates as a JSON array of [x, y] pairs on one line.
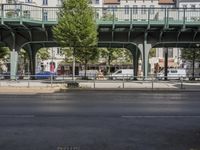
[[122, 74], [90, 74], [172, 73]]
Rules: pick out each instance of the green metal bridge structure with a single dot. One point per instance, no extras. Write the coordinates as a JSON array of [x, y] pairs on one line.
[[30, 27]]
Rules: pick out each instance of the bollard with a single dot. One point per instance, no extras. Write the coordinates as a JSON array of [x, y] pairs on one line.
[[152, 83], [123, 83], [181, 82], [94, 84], [28, 81], [51, 80]]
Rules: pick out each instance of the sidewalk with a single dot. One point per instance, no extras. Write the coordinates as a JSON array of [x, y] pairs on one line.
[[36, 87]]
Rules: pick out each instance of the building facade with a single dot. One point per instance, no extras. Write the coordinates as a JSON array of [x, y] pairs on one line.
[[174, 54], [188, 3]]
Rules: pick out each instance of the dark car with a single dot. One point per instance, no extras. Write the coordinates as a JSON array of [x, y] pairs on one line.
[[45, 75]]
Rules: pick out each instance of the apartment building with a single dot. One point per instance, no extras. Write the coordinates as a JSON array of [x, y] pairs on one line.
[[167, 3], [188, 3]]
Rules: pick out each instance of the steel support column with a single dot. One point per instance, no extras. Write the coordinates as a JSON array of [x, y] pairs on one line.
[[145, 47], [13, 58], [166, 62], [136, 55]]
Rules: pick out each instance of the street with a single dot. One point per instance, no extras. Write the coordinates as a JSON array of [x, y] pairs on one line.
[[100, 120]]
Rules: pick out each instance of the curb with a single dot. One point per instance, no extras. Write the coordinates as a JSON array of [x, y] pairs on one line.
[[43, 90]]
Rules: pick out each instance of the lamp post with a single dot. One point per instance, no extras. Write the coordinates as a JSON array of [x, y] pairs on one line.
[[52, 63]]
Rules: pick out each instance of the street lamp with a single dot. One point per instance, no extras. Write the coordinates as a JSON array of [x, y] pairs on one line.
[[52, 63]]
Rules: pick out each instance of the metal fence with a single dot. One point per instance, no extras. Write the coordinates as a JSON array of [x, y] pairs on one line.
[[102, 82], [165, 16]]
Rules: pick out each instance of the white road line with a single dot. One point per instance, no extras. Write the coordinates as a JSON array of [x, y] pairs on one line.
[[17, 116], [161, 116]]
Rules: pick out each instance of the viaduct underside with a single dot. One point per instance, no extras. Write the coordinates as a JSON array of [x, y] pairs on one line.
[[139, 39], [138, 30]]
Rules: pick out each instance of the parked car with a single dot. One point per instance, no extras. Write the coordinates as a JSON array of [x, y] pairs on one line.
[[122, 74], [45, 75], [90, 74], [172, 73]]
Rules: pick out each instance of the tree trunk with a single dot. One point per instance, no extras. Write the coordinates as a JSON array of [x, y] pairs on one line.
[[166, 63], [73, 65], [109, 59], [193, 65], [85, 66]]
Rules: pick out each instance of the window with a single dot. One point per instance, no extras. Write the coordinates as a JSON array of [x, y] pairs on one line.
[[119, 72], [59, 2], [28, 1], [97, 2], [59, 51], [27, 13], [193, 6], [151, 9], [45, 16], [45, 2], [97, 15], [170, 53], [112, 8], [184, 6], [9, 1], [143, 10], [115, 8], [174, 71], [163, 8], [135, 9], [126, 9]]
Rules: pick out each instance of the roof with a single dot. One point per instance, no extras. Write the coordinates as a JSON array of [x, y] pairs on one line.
[[166, 2], [111, 1]]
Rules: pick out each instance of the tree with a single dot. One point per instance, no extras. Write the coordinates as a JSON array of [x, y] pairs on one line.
[[23, 56], [152, 53], [109, 17], [4, 51], [87, 54], [112, 54], [43, 54], [76, 27], [191, 54]]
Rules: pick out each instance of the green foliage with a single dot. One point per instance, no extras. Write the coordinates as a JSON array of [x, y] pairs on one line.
[[68, 54], [77, 29], [4, 51], [152, 53], [86, 55], [112, 54], [43, 54], [23, 54], [109, 17], [10, 14], [190, 54], [76, 26]]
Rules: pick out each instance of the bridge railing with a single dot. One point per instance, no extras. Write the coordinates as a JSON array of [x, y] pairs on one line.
[[164, 16], [24, 12], [104, 15]]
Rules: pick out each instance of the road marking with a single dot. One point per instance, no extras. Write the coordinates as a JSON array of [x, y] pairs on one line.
[[160, 116], [17, 116]]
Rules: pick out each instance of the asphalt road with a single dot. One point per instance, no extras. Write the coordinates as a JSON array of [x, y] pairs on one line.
[[100, 120]]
